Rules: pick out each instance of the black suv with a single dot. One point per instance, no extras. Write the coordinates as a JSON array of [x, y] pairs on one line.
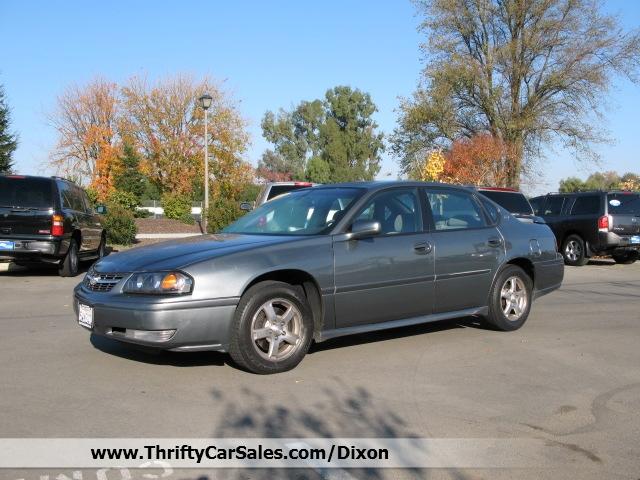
[[593, 223], [48, 220]]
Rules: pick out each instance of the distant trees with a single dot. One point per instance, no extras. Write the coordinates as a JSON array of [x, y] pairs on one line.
[[8, 139], [119, 137], [329, 140], [479, 160], [601, 181], [89, 144], [525, 72]]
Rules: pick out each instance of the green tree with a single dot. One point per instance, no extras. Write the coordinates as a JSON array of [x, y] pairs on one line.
[[330, 140], [595, 181], [8, 140], [130, 179], [526, 71]]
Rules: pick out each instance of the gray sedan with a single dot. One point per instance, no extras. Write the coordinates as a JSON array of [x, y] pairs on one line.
[[322, 262]]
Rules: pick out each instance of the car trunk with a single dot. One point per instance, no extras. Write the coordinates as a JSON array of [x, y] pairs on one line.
[[26, 206], [624, 209]]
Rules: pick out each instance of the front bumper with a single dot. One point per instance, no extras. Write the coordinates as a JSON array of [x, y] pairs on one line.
[[198, 324]]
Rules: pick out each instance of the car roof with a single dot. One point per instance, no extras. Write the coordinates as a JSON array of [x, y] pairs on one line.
[[382, 184], [40, 177]]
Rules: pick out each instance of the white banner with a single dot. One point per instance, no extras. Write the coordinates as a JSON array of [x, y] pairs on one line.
[[272, 452]]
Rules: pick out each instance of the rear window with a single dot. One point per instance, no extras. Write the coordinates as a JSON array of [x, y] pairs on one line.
[[513, 202], [624, 203], [26, 192], [280, 189]]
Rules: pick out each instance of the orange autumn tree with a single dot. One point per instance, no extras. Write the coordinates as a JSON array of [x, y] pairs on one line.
[[89, 146], [480, 160], [167, 126]]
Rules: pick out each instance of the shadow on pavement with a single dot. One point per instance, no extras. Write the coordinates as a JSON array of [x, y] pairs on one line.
[[344, 410]]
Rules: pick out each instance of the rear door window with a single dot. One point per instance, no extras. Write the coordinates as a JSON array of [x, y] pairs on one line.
[[454, 210], [536, 204], [491, 209], [586, 205], [71, 197], [26, 192], [553, 205]]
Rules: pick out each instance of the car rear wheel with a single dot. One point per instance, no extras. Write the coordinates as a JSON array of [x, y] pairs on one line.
[[510, 300], [272, 328], [69, 266], [626, 258], [574, 251]]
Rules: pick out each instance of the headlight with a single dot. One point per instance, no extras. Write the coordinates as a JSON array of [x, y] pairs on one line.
[[159, 283]]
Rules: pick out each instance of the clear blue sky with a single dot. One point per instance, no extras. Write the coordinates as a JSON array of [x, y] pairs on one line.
[[270, 54]]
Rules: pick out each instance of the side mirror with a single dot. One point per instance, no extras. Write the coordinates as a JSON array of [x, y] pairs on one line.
[[246, 206], [364, 228], [101, 209]]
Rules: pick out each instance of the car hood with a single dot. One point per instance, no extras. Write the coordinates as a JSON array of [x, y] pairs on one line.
[[177, 254]]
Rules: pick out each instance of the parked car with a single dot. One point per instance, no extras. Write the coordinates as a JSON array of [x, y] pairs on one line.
[[593, 223], [323, 262], [511, 200], [48, 220], [272, 190]]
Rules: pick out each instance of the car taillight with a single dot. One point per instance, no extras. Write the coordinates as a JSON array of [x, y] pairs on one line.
[[603, 223], [57, 225]]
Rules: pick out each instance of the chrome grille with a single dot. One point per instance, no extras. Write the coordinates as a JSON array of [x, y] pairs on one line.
[[101, 282]]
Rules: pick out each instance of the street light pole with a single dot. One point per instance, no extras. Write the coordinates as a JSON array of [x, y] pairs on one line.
[[205, 102], [205, 212]]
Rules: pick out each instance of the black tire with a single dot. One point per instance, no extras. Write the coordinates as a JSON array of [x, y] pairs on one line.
[[69, 266], [626, 258], [574, 251], [102, 248], [250, 315], [497, 304]]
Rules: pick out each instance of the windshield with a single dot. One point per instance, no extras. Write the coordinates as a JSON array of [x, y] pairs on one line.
[[624, 203], [26, 192], [513, 202], [304, 212]]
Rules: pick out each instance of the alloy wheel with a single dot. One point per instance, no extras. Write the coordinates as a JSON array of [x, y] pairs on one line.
[[277, 329], [573, 250], [513, 298]]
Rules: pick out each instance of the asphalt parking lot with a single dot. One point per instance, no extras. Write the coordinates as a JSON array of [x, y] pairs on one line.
[[570, 376]]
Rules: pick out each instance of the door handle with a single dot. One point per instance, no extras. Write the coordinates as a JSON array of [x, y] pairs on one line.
[[423, 247], [494, 242]]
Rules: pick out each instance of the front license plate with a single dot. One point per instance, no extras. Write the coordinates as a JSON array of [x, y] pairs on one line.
[[6, 245], [635, 239], [85, 315]]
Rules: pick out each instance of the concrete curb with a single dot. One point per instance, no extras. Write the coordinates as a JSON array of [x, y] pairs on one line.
[[142, 236]]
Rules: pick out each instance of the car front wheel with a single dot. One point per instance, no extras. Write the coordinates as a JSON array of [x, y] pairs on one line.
[[574, 251], [510, 300], [272, 328]]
